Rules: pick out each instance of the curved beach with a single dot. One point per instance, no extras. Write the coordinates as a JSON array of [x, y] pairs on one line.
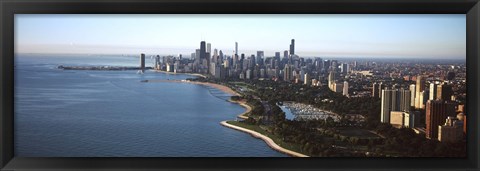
[[267, 140], [255, 134]]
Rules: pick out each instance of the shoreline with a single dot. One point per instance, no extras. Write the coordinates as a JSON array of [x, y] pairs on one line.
[[185, 73], [253, 133], [267, 140], [243, 104], [223, 88]]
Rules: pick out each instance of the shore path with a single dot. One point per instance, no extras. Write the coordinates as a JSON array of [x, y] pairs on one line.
[[267, 140], [228, 90]]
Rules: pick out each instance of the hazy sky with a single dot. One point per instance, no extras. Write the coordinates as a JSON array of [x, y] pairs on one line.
[[416, 36]]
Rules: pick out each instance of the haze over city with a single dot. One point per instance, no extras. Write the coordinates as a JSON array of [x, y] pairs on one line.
[[407, 36]]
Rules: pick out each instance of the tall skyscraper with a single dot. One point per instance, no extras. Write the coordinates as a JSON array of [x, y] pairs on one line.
[[433, 90], [306, 79], [420, 86], [236, 48], [405, 100], [345, 88], [436, 113], [381, 87], [444, 92], [412, 96], [209, 48], [331, 79], [375, 90], [386, 106], [292, 47], [287, 73], [142, 62], [203, 50]]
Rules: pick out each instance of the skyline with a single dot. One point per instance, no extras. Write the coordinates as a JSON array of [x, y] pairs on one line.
[[424, 36]]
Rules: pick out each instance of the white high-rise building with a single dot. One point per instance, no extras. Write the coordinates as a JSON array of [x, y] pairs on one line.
[[345, 88], [412, 96]]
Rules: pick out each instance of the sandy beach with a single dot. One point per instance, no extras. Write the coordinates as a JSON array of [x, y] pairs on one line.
[[244, 104], [217, 86], [173, 73], [267, 140]]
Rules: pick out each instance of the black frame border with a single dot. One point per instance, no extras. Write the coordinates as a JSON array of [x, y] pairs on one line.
[[10, 7]]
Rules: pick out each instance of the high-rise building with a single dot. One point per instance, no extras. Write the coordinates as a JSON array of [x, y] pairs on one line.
[[381, 87], [142, 62], [344, 68], [331, 80], [436, 113], [236, 48], [423, 98], [405, 100], [412, 96], [287, 73], [451, 131], [386, 106], [444, 92], [375, 90], [203, 50], [433, 91], [345, 88], [306, 79], [292, 47], [209, 47], [420, 86]]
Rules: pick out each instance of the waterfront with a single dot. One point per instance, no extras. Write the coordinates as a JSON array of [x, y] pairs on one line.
[[61, 113]]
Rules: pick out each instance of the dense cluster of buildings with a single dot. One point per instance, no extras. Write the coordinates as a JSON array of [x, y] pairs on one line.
[[401, 106], [428, 88], [289, 67]]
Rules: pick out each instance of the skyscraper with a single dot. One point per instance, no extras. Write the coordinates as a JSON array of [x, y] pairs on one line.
[[375, 90], [444, 92], [436, 113], [292, 47], [381, 87], [386, 106], [412, 96], [209, 48], [420, 86], [287, 73], [236, 48], [306, 79], [142, 62], [405, 100], [203, 50], [433, 90], [345, 88]]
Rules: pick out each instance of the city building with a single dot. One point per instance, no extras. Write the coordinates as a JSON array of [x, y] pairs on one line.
[[433, 90], [345, 88], [436, 112], [412, 95], [236, 48], [375, 90], [451, 131], [307, 79], [142, 62], [420, 87], [444, 92], [292, 47]]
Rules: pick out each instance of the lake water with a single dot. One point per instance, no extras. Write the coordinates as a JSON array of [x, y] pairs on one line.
[[66, 113]]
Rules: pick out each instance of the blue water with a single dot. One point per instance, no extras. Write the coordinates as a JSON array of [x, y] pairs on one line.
[[66, 113]]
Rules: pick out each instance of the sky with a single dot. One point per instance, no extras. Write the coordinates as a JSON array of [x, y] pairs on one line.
[[336, 35]]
